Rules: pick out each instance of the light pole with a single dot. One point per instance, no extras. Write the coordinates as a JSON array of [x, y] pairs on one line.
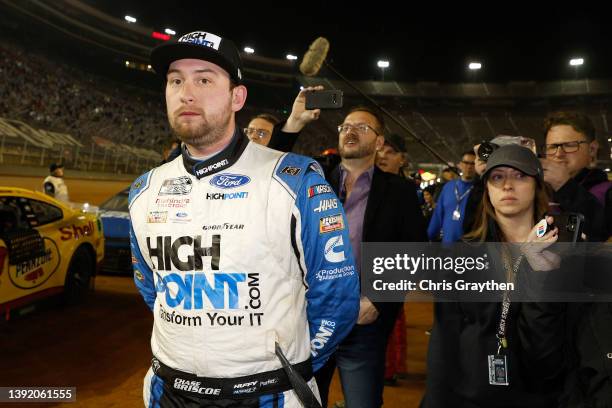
[[576, 63], [474, 67], [382, 64]]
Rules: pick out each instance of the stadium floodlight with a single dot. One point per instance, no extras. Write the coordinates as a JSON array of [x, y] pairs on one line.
[[474, 66], [170, 31], [383, 64], [249, 50], [576, 62], [610, 139], [130, 19], [607, 170], [149, 67], [291, 57], [127, 63]]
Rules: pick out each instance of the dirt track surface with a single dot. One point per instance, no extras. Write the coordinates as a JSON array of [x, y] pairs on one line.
[[102, 347]]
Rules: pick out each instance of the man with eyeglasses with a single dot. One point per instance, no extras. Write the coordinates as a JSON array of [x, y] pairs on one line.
[[447, 221], [380, 207], [265, 129], [570, 149]]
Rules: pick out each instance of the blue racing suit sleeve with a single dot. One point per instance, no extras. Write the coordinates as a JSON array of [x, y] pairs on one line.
[[143, 275], [331, 275]]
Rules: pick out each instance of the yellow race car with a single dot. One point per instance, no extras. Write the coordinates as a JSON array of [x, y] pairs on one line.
[[46, 247]]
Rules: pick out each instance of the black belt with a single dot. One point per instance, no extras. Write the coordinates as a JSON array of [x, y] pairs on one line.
[[249, 386]]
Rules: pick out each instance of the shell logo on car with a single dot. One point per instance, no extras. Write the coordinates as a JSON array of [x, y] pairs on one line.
[[46, 247]]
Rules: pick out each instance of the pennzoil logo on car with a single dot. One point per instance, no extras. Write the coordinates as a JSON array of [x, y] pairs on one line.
[[176, 186], [292, 171], [331, 223], [227, 180], [36, 270]]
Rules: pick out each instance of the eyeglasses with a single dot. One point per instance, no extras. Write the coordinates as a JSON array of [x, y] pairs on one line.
[[362, 128], [260, 133], [567, 147], [468, 163]]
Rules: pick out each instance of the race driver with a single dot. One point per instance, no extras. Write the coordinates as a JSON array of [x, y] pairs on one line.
[[241, 252]]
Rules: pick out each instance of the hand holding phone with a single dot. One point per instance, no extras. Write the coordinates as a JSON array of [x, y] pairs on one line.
[[325, 99]]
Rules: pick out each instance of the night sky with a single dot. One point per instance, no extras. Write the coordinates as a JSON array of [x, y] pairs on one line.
[[422, 45]]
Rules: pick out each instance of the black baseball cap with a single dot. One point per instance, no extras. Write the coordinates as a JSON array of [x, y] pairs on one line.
[[396, 141], [199, 45], [55, 166], [518, 157]]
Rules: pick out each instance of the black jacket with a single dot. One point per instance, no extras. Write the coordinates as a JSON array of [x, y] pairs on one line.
[[282, 141], [574, 196], [392, 214], [464, 335], [589, 382]]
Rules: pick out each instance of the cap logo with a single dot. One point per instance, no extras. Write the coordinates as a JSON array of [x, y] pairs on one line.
[[202, 38]]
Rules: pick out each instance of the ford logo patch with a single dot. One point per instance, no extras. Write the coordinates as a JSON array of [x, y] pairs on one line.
[[229, 180]]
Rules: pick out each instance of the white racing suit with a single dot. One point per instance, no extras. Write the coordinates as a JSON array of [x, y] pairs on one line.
[[233, 254]]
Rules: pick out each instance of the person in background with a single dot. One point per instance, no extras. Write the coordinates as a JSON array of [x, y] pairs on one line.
[[529, 367], [447, 221], [392, 157], [570, 149], [380, 207], [53, 184], [448, 174], [267, 130], [570, 152], [429, 204]]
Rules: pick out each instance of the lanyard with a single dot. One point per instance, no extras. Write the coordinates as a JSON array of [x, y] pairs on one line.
[[502, 328], [462, 196]]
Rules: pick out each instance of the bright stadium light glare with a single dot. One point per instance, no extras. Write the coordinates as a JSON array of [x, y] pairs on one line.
[[130, 19], [575, 62], [170, 31], [149, 67], [607, 170], [474, 66], [249, 50], [127, 63], [291, 57], [383, 64]]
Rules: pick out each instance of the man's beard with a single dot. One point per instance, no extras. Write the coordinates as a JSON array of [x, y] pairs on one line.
[[207, 133], [363, 150]]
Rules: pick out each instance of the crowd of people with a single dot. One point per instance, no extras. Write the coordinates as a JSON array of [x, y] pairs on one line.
[[312, 219], [292, 229], [56, 96]]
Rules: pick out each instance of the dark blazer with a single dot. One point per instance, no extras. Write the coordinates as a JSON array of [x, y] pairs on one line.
[[392, 214]]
